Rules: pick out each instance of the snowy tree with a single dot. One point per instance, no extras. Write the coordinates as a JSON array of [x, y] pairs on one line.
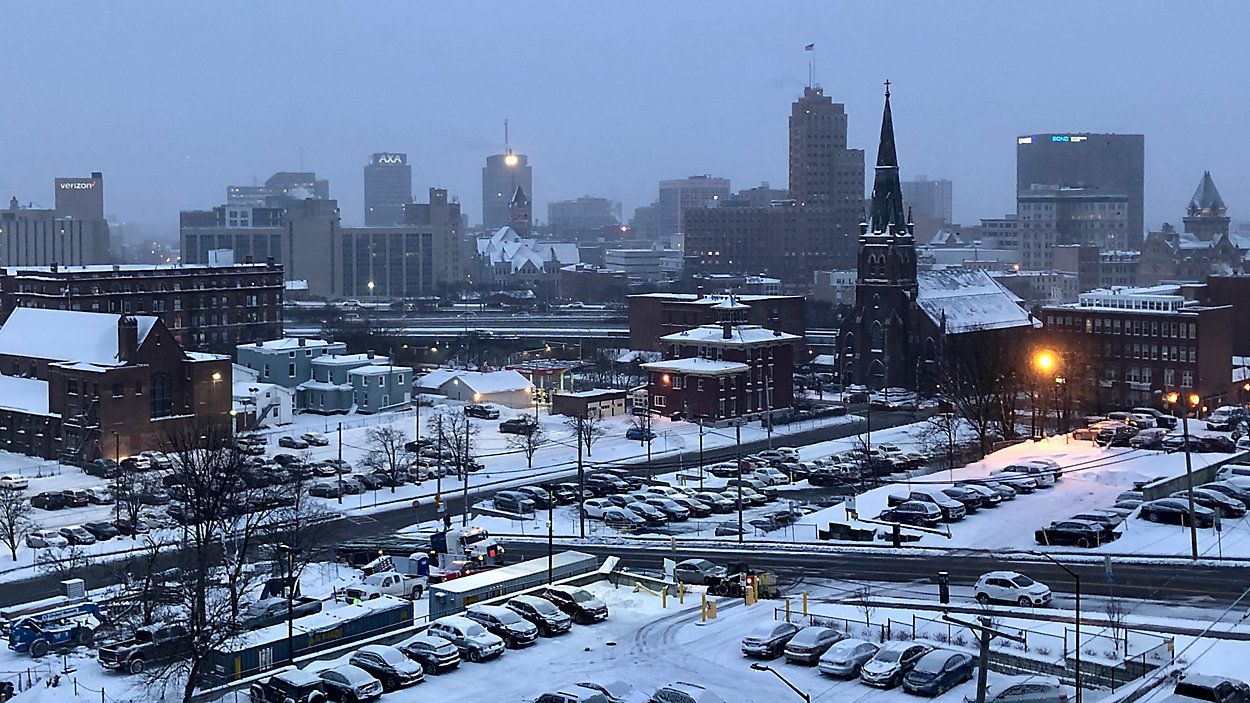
[[587, 429], [388, 453], [15, 522], [529, 443]]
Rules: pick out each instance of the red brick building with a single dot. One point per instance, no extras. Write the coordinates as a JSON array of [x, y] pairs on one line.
[[652, 316], [76, 386], [207, 307], [724, 370], [1134, 345]]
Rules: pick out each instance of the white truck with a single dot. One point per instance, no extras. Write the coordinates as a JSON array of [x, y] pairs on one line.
[[386, 583]]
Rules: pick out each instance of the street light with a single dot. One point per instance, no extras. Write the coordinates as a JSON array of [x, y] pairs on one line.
[[1044, 362], [1194, 401], [764, 667], [1077, 580], [289, 552]]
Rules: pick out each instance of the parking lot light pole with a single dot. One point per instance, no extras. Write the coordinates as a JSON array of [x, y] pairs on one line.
[[289, 552], [1076, 580], [738, 469], [339, 466], [701, 418], [799, 692]]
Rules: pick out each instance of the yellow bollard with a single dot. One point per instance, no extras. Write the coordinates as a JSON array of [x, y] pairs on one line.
[[681, 594], [664, 598], [787, 610], [804, 603], [703, 609]]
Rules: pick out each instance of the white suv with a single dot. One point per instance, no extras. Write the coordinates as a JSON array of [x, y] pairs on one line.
[[1011, 587]]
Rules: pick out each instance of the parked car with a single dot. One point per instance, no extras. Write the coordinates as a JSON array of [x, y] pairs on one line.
[[1174, 511], [563, 493], [1109, 521], [513, 502], [434, 654], [619, 518], [699, 572], [1030, 688], [1075, 533], [481, 411], [970, 499], [914, 512], [990, 498], [1215, 500], [938, 672], [102, 468], [76, 497], [101, 530], [639, 434], [718, 502], [99, 495], [573, 693], [653, 515], [290, 686], [1231, 489], [1149, 439], [845, 658], [891, 663], [1042, 474], [523, 425], [594, 507], [549, 619], [388, 665], [1162, 419], [769, 640], [350, 684], [1214, 689], [289, 442], [50, 500], [540, 496], [682, 692], [1225, 417], [515, 631], [77, 535], [15, 483], [952, 510], [325, 489], [809, 643], [474, 641], [578, 603], [1011, 587], [42, 539], [671, 509]]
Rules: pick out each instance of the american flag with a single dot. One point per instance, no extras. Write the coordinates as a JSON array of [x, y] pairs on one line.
[[809, 47]]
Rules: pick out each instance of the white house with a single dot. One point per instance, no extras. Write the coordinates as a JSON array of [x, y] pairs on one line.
[[260, 403], [507, 388]]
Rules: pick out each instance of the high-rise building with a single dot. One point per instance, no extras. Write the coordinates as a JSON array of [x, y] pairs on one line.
[[1097, 163], [501, 176], [929, 198], [822, 170], [680, 195], [388, 188], [1050, 216], [74, 233], [295, 185], [81, 198], [585, 214]]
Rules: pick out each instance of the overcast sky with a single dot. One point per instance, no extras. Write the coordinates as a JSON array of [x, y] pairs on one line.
[[173, 101]]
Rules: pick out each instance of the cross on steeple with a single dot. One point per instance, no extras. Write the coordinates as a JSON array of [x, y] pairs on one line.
[[887, 87]]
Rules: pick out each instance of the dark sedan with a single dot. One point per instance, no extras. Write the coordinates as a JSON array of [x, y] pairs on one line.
[[938, 672], [1108, 521], [101, 530], [914, 512], [1174, 511], [1228, 507], [1075, 533], [970, 499]]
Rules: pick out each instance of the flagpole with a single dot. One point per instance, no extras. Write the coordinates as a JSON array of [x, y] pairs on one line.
[[811, 66]]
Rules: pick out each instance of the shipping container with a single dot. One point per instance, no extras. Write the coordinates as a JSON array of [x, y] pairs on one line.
[[454, 596]]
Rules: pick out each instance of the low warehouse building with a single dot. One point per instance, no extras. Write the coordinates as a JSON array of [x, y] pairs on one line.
[[454, 596]]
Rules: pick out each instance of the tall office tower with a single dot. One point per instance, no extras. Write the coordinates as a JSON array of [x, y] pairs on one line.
[[822, 170], [929, 198], [1113, 164], [388, 188], [585, 214], [501, 176], [295, 185], [80, 198], [679, 195]]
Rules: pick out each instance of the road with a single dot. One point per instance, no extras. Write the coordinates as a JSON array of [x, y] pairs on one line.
[[385, 522]]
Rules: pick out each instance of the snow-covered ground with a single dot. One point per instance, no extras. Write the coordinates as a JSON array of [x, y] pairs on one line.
[[646, 646]]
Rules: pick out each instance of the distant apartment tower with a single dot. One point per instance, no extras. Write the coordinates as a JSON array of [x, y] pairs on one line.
[[1051, 216], [585, 214], [501, 176], [388, 188], [930, 198], [1098, 163], [822, 170], [680, 195]]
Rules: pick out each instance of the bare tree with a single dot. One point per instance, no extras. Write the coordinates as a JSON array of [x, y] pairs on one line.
[[982, 381], [1116, 615], [940, 436], [62, 562], [529, 443], [130, 489], [15, 522], [388, 453], [587, 429], [457, 436], [863, 603]]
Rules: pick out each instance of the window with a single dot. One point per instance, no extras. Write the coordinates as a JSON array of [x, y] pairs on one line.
[[291, 370], [71, 387], [118, 390], [381, 381], [678, 383], [162, 395], [658, 401], [699, 384], [138, 388]]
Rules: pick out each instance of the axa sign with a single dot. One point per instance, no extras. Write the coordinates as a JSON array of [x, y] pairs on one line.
[[389, 159], [77, 185]]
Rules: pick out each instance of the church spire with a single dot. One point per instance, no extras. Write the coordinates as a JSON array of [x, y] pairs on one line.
[[887, 214]]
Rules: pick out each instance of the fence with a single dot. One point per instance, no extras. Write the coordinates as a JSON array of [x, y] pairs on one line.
[[28, 677]]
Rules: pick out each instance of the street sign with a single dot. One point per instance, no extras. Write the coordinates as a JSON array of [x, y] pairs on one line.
[[416, 504]]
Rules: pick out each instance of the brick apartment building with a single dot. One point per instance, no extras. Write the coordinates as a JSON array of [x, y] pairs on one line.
[[652, 316], [77, 386], [1137, 344], [207, 307], [724, 370]]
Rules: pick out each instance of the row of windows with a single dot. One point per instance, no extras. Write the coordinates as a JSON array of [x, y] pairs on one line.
[[1132, 327]]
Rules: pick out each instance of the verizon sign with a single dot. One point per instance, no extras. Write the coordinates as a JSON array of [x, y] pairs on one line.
[[77, 185]]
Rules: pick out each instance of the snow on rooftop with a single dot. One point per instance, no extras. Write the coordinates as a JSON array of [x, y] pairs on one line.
[[740, 334], [66, 335], [635, 355], [437, 377], [377, 370], [479, 381], [592, 393], [202, 356], [288, 343], [349, 359], [970, 300], [28, 395], [697, 365]]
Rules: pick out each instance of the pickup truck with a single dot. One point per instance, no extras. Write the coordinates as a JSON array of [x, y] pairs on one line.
[[273, 610], [154, 643], [386, 583], [1213, 689]]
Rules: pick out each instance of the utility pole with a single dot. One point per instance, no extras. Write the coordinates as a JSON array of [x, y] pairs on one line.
[[463, 459], [338, 468], [987, 633], [738, 462], [701, 418], [581, 481], [551, 536]]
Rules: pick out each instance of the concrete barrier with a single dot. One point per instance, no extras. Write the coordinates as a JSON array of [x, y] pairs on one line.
[[1165, 487]]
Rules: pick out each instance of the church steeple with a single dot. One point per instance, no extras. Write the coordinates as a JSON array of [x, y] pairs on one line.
[[887, 216]]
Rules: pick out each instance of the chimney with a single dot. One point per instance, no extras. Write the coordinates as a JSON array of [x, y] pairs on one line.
[[248, 259], [698, 293], [302, 341], [727, 329], [127, 338], [53, 267], [369, 354]]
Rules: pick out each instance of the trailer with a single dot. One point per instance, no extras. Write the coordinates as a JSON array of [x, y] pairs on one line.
[[454, 596], [259, 651], [358, 552]]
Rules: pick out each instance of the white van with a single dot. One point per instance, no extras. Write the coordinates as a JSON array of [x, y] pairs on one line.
[[1232, 471]]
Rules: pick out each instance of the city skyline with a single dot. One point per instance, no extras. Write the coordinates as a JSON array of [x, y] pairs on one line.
[[161, 157]]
